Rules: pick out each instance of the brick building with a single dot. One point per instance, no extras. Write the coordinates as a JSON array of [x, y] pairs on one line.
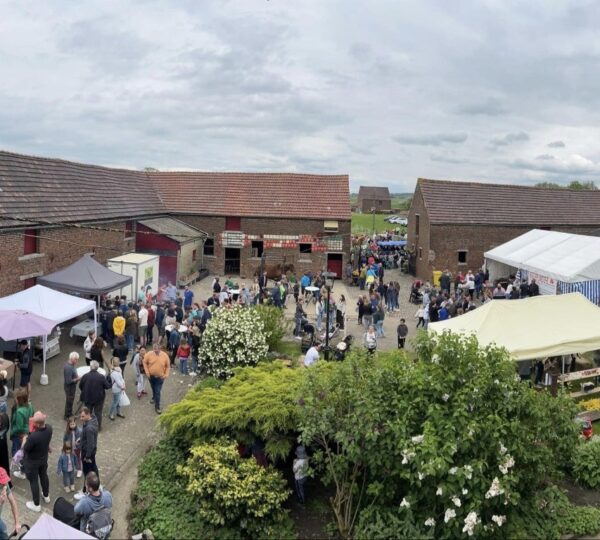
[[377, 198], [451, 224], [53, 211]]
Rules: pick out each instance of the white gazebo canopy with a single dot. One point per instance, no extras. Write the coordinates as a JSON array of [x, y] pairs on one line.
[[566, 257], [54, 305], [531, 328]]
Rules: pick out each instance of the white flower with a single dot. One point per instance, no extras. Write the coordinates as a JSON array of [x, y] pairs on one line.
[[430, 522], [421, 476], [456, 501], [439, 491], [418, 439], [508, 463], [496, 381], [407, 456], [470, 523], [453, 470], [465, 491], [446, 397], [470, 433], [503, 449], [495, 489], [499, 520], [404, 503], [450, 514], [435, 358]]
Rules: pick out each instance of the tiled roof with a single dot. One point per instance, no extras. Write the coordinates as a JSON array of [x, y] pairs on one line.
[[370, 192], [280, 195], [499, 204], [173, 228], [52, 190]]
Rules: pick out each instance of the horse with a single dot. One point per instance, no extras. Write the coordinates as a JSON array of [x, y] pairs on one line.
[[275, 271]]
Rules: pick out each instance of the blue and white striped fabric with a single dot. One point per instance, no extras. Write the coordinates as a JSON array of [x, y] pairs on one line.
[[589, 289]]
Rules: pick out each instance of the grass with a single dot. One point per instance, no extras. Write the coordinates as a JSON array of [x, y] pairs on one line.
[[289, 348], [363, 223]]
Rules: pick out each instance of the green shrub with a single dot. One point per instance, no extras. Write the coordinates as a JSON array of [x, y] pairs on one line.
[[376, 523], [160, 501], [235, 492], [258, 403], [274, 323], [586, 463]]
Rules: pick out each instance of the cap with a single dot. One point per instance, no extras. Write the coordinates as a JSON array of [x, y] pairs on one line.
[[4, 478]]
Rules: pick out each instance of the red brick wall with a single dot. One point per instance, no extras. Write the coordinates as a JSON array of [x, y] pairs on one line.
[[214, 225], [419, 244], [58, 248], [446, 240]]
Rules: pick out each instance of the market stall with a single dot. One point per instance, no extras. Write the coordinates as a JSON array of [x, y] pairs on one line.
[[559, 262], [50, 304]]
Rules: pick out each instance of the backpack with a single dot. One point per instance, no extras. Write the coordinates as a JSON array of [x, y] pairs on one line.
[[100, 524]]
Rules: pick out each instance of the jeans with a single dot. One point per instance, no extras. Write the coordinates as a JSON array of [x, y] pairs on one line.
[[298, 326], [367, 320], [70, 390], [37, 473], [90, 467], [96, 409], [379, 328], [183, 366], [3, 531], [130, 338], [319, 321], [149, 334], [68, 478], [156, 385], [141, 382], [194, 364], [300, 483], [16, 444], [115, 408]]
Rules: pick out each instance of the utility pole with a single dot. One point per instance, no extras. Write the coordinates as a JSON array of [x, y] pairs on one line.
[[373, 212], [326, 349]]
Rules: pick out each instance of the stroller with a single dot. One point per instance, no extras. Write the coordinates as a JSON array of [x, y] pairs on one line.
[[416, 297], [342, 348], [308, 337]]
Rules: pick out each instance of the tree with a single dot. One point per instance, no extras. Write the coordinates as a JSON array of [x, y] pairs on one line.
[[582, 186], [455, 437], [257, 403]]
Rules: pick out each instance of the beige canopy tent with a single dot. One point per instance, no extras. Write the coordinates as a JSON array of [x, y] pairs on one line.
[[533, 327]]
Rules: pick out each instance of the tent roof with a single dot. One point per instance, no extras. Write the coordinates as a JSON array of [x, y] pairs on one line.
[[563, 256], [53, 305], [534, 327], [47, 527], [85, 276]]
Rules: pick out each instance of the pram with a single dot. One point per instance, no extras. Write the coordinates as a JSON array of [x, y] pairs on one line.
[[308, 337], [416, 297]]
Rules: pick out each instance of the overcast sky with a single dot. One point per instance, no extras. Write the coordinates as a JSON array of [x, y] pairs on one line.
[[386, 91]]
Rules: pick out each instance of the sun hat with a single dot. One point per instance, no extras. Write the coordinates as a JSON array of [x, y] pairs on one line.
[[4, 478]]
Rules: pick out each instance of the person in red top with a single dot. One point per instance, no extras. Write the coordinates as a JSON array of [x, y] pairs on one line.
[[151, 323], [183, 353]]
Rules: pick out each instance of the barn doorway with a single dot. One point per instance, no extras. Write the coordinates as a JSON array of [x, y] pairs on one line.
[[232, 260], [335, 264]]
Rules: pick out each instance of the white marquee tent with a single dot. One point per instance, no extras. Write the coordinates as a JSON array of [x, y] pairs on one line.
[[531, 328], [56, 306], [560, 262]]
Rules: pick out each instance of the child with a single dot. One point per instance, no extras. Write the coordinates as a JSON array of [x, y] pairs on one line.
[[67, 464], [300, 469], [138, 366], [183, 353], [73, 437]]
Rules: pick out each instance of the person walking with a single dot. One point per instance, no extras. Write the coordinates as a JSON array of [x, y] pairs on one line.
[[131, 328], [66, 467], [370, 340], [183, 353], [402, 332], [93, 386], [300, 469], [70, 379], [35, 461], [96, 351], [157, 367], [89, 446], [97, 498], [25, 365], [118, 387], [143, 324], [87, 346], [6, 494], [22, 411], [138, 366], [121, 351]]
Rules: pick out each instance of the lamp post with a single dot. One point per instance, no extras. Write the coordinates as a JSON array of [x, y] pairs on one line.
[[373, 213], [326, 349]]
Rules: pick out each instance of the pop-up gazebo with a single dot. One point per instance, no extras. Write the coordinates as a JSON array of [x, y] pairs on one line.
[[50, 304], [531, 328]]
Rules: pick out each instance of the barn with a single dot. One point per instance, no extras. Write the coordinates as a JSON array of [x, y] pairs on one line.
[[452, 224], [54, 211], [376, 199]]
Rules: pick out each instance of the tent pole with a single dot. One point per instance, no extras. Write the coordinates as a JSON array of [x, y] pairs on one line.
[[44, 377]]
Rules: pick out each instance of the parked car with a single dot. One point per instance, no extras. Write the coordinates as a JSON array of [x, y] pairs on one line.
[[390, 218], [399, 221]]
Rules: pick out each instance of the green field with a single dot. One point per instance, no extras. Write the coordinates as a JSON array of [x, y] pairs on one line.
[[363, 223]]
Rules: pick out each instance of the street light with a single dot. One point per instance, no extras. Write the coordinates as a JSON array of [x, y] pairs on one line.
[[326, 348], [373, 212]]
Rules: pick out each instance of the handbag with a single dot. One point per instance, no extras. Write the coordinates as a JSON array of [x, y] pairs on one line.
[[124, 400]]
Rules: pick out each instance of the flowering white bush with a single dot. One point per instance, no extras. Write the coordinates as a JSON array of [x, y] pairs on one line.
[[233, 337]]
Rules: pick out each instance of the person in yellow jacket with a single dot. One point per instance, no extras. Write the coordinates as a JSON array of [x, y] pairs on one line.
[[119, 325]]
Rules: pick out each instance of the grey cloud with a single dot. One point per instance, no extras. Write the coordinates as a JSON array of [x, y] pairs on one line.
[[490, 107], [446, 159], [579, 166], [545, 157], [434, 139], [360, 51], [510, 138], [556, 144]]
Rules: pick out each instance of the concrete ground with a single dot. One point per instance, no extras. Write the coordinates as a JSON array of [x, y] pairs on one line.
[[121, 443]]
